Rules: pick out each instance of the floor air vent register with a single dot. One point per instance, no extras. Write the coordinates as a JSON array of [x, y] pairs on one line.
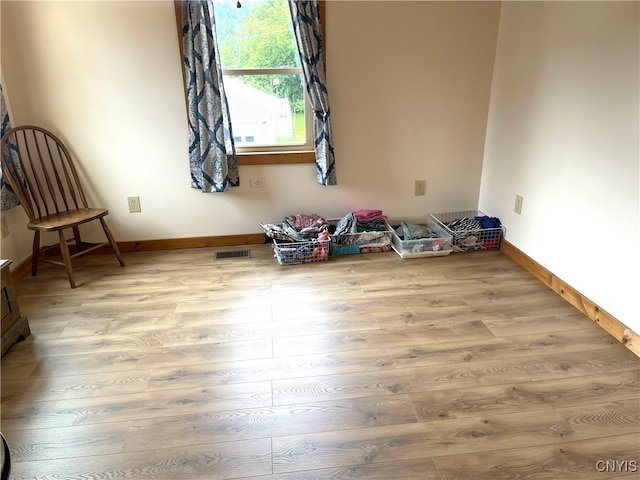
[[233, 254]]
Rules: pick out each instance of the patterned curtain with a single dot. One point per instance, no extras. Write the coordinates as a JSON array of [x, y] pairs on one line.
[[308, 31], [212, 154], [9, 199]]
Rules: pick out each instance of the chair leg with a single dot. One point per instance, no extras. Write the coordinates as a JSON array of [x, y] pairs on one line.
[[112, 241], [76, 236], [64, 249], [35, 253]]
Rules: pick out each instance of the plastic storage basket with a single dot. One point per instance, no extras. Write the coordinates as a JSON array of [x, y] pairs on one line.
[[467, 235], [301, 252], [438, 245]]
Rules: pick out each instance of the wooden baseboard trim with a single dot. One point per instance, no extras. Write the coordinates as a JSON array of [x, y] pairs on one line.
[[608, 322], [21, 270], [196, 242], [24, 268]]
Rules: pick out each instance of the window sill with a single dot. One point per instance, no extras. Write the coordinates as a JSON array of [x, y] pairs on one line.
[[276, 158]]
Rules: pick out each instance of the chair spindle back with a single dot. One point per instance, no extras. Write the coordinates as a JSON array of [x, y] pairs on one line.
[[40, 170]]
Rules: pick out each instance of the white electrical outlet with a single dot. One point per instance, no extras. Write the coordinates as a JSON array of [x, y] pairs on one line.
[[518, 205], [134, 204], [420, 188]]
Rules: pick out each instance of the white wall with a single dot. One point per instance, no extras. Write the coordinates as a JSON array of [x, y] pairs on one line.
[[19, 239], [563, 132], [409, 85]]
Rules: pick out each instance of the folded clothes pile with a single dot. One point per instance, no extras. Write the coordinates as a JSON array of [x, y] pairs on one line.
[[298, 228], [368, 220], [477, 233], [464, 225], [413, 231], [347, 224], [361, 221], [470, 224], [362, 227]]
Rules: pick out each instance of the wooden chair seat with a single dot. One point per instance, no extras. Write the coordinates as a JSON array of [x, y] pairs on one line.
[[40, 171], [72, 218]]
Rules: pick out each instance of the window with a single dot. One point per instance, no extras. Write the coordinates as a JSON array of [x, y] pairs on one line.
[[296, 153], [264, 84]]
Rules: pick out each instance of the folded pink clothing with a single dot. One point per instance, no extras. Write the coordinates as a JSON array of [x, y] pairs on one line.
[[369, 214], [303, 221]]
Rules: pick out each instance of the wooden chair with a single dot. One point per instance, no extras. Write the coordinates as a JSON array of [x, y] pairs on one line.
[[40, 170]]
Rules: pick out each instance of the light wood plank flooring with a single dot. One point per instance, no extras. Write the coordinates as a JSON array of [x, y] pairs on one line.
[[181, 366]]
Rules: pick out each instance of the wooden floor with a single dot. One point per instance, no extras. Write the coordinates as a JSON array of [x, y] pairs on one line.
[[183, 366]]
